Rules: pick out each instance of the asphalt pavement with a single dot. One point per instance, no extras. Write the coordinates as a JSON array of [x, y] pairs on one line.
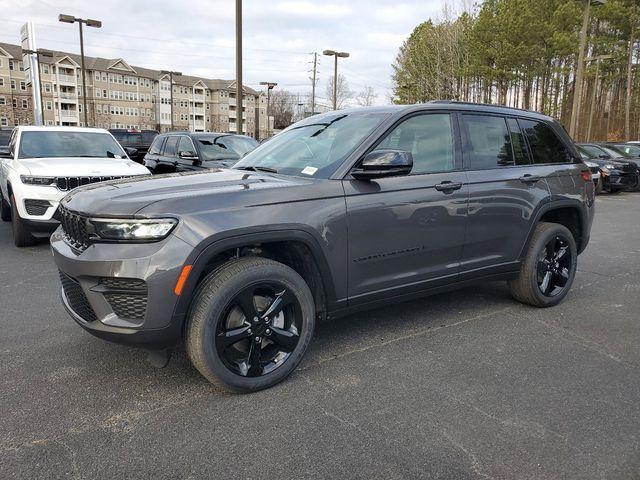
[[461, 385]]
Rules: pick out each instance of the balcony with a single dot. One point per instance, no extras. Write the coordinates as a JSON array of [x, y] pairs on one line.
[[68, 79], [198, 97], [198, 124], [67, 97], [68, 115], [198, 111]]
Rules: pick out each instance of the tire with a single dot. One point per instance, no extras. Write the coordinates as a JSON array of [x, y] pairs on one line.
[[5, 209], [526, 288], [614, 191], [21, 235], [599, 186], [216, 301]]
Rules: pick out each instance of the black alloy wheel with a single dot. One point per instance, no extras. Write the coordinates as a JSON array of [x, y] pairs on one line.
[[260, 329], [554, 267]]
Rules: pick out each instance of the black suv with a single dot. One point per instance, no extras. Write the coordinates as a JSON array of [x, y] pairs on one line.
[[189, 151], [343, 211], [141, 140], [618, 173]]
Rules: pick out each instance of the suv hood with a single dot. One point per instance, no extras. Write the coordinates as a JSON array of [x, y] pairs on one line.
[[182, 192], [82, 167]]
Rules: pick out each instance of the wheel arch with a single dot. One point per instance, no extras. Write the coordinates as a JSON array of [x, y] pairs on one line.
[[290, 246], [568, 213]]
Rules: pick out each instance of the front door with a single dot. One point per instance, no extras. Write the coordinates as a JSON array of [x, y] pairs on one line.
[[406, 233]]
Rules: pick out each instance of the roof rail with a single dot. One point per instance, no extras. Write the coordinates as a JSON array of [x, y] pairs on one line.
[[457, 102]]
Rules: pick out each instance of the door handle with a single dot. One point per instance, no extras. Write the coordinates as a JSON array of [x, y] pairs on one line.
[[448, 186], [529, 178]]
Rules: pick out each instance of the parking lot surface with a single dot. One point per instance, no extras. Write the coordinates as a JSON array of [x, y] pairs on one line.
[[460, 385]]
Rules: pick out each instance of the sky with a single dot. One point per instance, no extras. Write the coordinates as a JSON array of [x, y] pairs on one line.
[[198, 37]]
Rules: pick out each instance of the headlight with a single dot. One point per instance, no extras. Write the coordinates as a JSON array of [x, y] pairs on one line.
[[132, 230], [42, 181]]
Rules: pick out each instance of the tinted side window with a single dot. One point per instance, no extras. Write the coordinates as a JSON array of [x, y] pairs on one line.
[[429, 138], [156, 146], [545, 145], [147, 137], [520, 155], [186, 145], [171, 147], [488, 142]]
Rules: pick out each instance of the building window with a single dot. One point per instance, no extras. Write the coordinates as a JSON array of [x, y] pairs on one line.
[[1, 82], [49, 122], [13, 84], [10, 64], [23, 86], [3, 101], [15, 103], [49, 105], [4, 122], [25, 103], [45, 69], [47, 87], [21, 66]]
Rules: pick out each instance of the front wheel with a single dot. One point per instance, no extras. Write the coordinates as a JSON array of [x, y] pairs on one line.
[[250, 324], [547, 273], [21, 235]]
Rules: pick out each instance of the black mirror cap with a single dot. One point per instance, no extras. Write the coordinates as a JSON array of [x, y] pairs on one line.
[[131, 152], [188, 155], [384, 163], [5, 152]]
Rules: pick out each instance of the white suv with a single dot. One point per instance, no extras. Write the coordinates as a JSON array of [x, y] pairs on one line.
[[42, 164]]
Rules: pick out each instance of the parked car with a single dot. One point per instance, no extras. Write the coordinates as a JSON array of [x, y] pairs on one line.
[[5, 135], [625, 150], [618, 174], [42, 164], [141, 140], [596, 174], [343, 211], [188, 151]]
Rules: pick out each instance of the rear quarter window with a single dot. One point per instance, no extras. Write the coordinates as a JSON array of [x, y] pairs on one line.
[[156, 146], [545, 145]]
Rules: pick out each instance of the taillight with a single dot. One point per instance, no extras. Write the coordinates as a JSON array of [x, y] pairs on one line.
[[586, 175]]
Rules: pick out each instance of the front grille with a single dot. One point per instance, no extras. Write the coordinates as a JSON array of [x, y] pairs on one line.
[[76, 298], [69, 183], [74, 227], [36, 207], [126, 296], [630, 168]]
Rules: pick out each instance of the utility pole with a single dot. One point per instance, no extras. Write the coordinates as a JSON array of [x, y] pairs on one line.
[[89, 23], [270, 86], [577, 82], [239, 107], [333, 53], [313, 83], [171, 74]]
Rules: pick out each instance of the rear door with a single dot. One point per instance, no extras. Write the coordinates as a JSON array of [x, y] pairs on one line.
[[406, 233], [169, 158], [505, 190], [152, 157]]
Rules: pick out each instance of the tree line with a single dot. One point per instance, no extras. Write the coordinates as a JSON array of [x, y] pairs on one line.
[[524, 54]]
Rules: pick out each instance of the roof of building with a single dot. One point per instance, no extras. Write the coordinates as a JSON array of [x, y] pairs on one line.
[[119, 65]]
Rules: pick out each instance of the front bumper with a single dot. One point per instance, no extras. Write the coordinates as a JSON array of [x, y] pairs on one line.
[[620, 180], [123, 292]]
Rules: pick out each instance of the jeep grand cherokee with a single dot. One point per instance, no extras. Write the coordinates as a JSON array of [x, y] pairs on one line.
[[342, 211]]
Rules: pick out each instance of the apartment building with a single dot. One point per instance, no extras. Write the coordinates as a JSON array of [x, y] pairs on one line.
[[120, 95]]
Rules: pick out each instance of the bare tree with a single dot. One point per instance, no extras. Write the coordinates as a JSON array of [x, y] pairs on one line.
[[282, 109], [366, 97], [344, 93]]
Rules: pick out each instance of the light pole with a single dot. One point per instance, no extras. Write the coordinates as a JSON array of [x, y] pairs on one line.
[[577, 87], [89, 23], [239, 65], [171, 74], [333, 53], [38, 53], [269, 86]]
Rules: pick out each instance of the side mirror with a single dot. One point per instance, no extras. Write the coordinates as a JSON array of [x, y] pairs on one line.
[[131, 152], [604, 156], [5, 152], [384, 163], [188, 155]]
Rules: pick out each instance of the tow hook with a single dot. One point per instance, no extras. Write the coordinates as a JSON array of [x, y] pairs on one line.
[[159, 358]]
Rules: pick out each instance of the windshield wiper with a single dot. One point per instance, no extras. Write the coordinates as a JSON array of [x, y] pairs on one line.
[[258, 169]]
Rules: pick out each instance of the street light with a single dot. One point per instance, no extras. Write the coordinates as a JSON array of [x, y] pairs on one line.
[[38, 53], [89, 23], [333, 53], [171, 74], [577, 89], [269, 86]]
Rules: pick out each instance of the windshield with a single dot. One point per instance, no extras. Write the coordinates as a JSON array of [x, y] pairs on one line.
[[315, 146], [224, 147], [591, 151], [628, 151], [43, 144]]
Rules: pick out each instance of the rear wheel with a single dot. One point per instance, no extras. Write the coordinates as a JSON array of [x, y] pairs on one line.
[[5, 209], [250, 324], [547, 273], [21, 235]]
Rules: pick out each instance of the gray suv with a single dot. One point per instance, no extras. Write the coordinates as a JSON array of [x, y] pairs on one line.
[[343, 211]]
